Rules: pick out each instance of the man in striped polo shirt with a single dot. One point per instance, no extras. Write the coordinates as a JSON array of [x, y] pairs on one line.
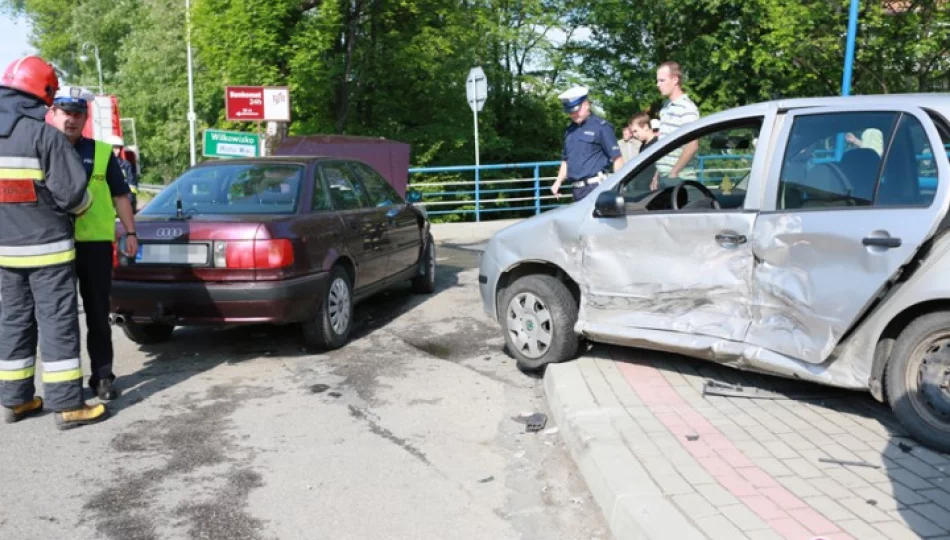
[[678, 111]]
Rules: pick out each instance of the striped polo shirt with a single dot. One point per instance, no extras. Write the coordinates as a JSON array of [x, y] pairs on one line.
[[674, 115]]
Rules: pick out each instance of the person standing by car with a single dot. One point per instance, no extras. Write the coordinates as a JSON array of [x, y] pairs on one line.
[[643, 132], [128, 171], [95, 233], [589, 146], [629, 145], [678, 111], [42, 182]]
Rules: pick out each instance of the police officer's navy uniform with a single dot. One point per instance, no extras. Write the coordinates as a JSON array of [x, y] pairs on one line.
[[95, 234], [590, 147], [42, 183]]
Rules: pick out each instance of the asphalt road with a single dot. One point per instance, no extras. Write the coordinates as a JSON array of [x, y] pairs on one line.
[[240, 433]]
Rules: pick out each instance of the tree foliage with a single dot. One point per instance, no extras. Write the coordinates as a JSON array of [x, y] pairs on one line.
[[396, 68]]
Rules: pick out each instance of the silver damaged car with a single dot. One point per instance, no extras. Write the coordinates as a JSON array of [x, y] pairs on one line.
[[806, 238]]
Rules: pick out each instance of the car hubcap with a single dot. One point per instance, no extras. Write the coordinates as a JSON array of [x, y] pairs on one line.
[[339, 305], [529, 325], [933, 379]]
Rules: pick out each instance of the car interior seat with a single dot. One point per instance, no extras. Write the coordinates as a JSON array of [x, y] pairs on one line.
[[825, 184], [861, 166]]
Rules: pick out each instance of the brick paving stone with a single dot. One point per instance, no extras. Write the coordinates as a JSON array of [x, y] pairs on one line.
[[695, 474], [797, 442], [846, 477], [752, 449], [813, 520], [719, 528], [780, 450], [816, 437], [764, 507], [937, 496], [918, 467], [884, 501], [862, 530], [757, 477], [836, 452], [872, 476], [851, 442], [783, 498], [673, 484], [624, 392], [934, 458], [863, 510], [803, 468], [765, 534], [658, 466], [907, 478], [759, 433], [829, 508], [830, 487], [918, 523], [716, 495], [743, 517], [896, 531], [734, 457], [773, 466], [695, 505], [790, 528], [799, 486], [934, 513]]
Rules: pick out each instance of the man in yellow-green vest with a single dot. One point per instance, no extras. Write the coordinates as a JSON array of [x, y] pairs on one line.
[[95, 233]]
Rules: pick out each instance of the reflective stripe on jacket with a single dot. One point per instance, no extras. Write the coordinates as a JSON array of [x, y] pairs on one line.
[[98, 223]]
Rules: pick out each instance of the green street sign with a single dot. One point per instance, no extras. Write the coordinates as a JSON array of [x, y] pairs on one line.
[[220, 143]]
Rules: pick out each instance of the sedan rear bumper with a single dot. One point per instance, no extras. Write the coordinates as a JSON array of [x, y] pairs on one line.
[[188, 303]]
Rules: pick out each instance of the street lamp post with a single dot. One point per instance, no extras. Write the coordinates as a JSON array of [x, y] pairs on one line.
[[191, 86], [95, 50]]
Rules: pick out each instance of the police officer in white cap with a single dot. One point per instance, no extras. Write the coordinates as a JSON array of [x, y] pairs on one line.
[[590, 146]]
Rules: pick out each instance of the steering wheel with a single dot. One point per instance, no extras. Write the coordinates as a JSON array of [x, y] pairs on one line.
[[675, 196]]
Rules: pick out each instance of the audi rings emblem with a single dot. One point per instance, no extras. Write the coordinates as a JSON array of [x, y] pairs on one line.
[[169, 232]]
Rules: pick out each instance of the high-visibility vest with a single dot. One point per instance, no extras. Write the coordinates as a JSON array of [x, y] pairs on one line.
[[98, 223]]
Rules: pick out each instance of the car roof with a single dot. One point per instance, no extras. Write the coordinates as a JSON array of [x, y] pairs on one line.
[[936, 101], [271, 159]]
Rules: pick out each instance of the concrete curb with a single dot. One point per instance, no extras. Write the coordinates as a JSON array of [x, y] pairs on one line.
[[633, 505], [469, 232]]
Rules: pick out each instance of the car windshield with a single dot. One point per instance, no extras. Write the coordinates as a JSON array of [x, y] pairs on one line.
[[240, 188]]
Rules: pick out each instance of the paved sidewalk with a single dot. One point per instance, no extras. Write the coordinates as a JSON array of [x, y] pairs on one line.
[[666, 462]]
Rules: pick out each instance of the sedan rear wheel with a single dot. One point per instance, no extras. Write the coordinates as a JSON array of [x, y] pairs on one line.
[[330, 329], [539, 319], [918, 380]]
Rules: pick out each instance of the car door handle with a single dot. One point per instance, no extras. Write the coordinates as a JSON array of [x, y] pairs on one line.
[[882, 241], [727, 239]]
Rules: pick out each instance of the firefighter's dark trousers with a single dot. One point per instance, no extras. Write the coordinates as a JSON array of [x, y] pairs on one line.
[[43, 300], [94, 270]]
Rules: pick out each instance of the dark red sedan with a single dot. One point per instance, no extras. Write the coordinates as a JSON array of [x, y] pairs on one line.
[[269, 240]]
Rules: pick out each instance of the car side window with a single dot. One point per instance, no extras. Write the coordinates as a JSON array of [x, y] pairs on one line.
[[321, 199], [909, 175], [345, 191], [836, 160], [720, 159], [379, 191]]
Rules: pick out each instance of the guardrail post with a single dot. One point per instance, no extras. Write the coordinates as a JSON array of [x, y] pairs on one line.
[[478, 198], [537, 190]]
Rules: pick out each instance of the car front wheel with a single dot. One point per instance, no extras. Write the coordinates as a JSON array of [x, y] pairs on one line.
[[148, 334], [918, 380], [330, 329], [539, 317], [425, 283]]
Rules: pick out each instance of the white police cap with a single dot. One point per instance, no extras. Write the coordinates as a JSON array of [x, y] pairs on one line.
[[573, 97], [73, 98]]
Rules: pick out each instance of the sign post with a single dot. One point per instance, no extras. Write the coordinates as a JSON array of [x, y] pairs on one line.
[[476, 91], [230, 144]]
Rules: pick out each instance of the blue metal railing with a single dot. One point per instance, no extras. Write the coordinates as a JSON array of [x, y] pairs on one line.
[[490, 196]]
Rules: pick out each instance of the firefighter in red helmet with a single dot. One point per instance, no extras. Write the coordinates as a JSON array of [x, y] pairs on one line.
[[42, 189]]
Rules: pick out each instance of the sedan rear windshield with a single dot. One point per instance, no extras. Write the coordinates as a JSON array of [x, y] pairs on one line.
[[262, 188]]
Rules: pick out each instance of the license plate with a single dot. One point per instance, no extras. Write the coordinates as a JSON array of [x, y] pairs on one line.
[[191, 254]]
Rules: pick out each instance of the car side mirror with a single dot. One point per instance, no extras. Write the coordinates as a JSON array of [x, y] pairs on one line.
[[609, 203], [413, 196]]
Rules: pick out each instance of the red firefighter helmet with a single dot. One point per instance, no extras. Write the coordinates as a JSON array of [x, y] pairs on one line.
[[32, 75]]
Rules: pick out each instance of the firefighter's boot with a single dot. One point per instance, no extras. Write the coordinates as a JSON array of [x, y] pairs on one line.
[[15, 414], [88, 414]]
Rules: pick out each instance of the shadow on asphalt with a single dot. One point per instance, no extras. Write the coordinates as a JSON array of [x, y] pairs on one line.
[[195, 350]]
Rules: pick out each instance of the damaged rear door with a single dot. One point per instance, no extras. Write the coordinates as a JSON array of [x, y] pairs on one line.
[[687, 271], [846, 208]]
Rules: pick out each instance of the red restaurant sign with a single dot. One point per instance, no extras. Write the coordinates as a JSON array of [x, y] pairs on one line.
[[257, 103]]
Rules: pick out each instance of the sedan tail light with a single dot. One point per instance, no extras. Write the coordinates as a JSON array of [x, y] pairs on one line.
[[253, 254]]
